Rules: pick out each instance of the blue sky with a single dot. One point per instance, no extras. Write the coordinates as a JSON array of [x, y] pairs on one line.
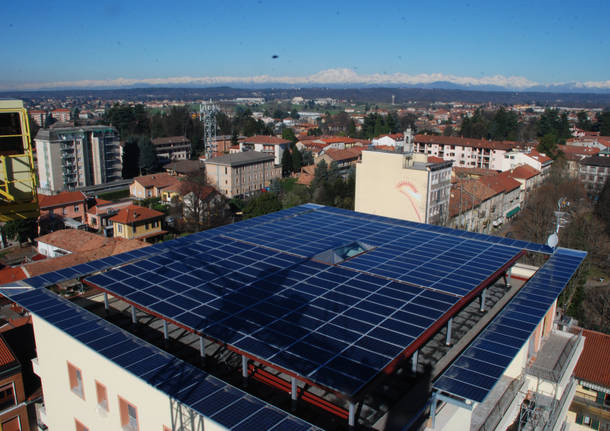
[[68, 41]]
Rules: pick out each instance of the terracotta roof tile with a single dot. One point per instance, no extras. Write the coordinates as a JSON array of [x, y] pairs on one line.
[[542, 158], [6, 355], [8, 275], [269, 140], [135, 213], [344, 155], [500, 183], [522, 172], [592, 365], [158, 180], [74, 240], [64, 198], [465, 142]]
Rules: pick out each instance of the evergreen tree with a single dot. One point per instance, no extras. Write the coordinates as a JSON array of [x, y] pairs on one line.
[[131, 158], [286, 163], [148, 160], [297, 159]]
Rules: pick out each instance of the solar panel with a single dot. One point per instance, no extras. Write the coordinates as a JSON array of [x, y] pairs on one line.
[[207, 395], [476, 371], [239, 282]]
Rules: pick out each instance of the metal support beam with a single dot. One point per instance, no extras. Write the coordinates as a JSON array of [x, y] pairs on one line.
[[293, 389], [202, 348], [507, 278], [483, 294], [106, 304], [352, 415], [134, 318], [244, 367], [448, 339], [414, 361], [433, 410]]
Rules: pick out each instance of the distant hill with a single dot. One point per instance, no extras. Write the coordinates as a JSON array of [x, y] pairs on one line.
[[382, 94]]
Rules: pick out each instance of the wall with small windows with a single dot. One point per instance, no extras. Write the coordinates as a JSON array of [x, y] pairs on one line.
[[84, 391]]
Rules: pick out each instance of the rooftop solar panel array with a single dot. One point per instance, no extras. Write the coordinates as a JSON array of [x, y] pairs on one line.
[[207, 395], [253, 285], [475, 372]]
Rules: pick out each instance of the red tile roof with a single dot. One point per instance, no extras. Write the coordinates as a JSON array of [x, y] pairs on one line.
[[8, 275], [392, 135], [6, 355], [269, 140], [462, 171], [75, 240], [115, 246], [159, 180], [434, 159], [134, 213], [500, 183], [524, 172], [592, 365], [542, 158], [61, 199], [344, 155], [465, 142]]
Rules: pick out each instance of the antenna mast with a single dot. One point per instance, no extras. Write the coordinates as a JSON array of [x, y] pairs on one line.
[[207, 113]]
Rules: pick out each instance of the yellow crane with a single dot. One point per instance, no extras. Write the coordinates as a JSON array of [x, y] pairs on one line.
[[18, 197]]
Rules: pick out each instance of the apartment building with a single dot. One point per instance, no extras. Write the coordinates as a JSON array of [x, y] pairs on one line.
[[594, 172], [403, 186], [464, 152], [590, 408], [266, 144], [539, 161], [241, 174], [308, 312], [62, 115], [71, 157], [172, 148]]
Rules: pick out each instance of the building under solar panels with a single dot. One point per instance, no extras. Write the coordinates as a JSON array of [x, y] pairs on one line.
[[311, 317]]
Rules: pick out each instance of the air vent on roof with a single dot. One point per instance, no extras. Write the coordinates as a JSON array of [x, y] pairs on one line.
[[342, 253]]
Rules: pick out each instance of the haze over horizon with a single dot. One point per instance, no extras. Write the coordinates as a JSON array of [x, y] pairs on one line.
[[517, 46]]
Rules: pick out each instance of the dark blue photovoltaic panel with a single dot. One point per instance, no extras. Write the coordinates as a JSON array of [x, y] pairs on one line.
[[241, 283], [207, 395], [475, 372]]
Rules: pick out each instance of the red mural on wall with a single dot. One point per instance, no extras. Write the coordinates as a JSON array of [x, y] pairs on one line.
[[411, 192]]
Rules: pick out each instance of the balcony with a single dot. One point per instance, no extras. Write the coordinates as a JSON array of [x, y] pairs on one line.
[[558, 356], [36, 366], [501, 405]]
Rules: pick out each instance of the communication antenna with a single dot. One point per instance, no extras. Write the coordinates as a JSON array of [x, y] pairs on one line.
[[207, 113], [561, 220]]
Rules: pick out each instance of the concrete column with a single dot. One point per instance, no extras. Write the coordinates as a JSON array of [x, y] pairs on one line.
[[414, 361], [433, 410], [449, 324], [165, 331], [352, 415], [106, 304], [483, 294], [134, 318]]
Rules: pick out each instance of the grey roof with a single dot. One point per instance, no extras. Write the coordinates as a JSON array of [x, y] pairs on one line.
[[52, 134], [596, 161], [239, 159], [171, 140]]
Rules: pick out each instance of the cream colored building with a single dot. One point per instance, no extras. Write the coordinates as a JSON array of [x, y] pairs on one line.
[[242, 174], [403, 186]]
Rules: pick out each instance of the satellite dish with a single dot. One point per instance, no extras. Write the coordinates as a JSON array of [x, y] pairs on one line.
[[553, 240]]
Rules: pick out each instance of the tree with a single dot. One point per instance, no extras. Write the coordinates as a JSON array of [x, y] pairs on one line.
[[603, 122], [548, 145], [261, 204], [602, 209], [202, 206], [294, 114], [148, 161], [23, 229], [49, 121], [234, 138], [288, 134], [131, 158], [297, 158], [286, 163], [583, 121], [306, 157]]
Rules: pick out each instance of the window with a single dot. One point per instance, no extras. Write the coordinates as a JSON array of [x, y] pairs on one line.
[[7, 396], [119, 227], [80, 426], [129, 415], [102, 396], [75, 208], [76, 380]]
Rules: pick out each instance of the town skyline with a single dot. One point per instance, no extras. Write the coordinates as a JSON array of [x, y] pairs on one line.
[[514, 46]]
